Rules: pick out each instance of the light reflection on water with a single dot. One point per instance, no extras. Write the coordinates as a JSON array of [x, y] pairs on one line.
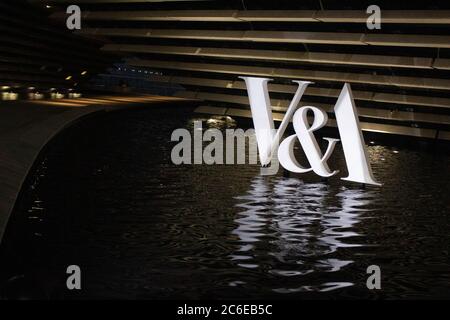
[[302, 229]]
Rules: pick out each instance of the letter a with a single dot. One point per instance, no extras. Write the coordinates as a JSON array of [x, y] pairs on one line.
[[74, 20], [74, 280], [374, 20], [374, 281], [359, 169]]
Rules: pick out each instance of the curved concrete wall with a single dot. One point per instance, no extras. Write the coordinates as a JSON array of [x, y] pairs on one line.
[[26, 127]]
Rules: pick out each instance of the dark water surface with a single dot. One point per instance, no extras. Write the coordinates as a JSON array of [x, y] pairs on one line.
[[106, 197]]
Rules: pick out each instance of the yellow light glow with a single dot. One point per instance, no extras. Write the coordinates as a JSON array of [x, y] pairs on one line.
[[68, 77], [58, 103], [84, 73]]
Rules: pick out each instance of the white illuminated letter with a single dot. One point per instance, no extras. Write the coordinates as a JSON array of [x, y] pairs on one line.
[[266, 136], [355, 152], [347, 121]]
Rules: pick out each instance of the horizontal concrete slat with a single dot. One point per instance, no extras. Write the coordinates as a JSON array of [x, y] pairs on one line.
[[430, 41], [275, 55], [310, 91], [281, 105], [444, 135], [397, 81], [37, 61], [365, 126], [414, 100], [28, 47], [31, 78], [330, 16], [441, 64], [407, 40], [387, 16], [9, 68]]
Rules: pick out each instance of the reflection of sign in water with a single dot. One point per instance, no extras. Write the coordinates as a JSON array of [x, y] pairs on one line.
[[347, 121], [303, 232]]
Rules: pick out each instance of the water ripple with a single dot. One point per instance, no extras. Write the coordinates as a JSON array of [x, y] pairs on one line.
[[303, 231]]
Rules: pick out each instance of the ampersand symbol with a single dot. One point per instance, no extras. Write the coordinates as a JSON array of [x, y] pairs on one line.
[[304, 133]]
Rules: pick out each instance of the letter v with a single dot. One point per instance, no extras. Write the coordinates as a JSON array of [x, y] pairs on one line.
[[266, 136]]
